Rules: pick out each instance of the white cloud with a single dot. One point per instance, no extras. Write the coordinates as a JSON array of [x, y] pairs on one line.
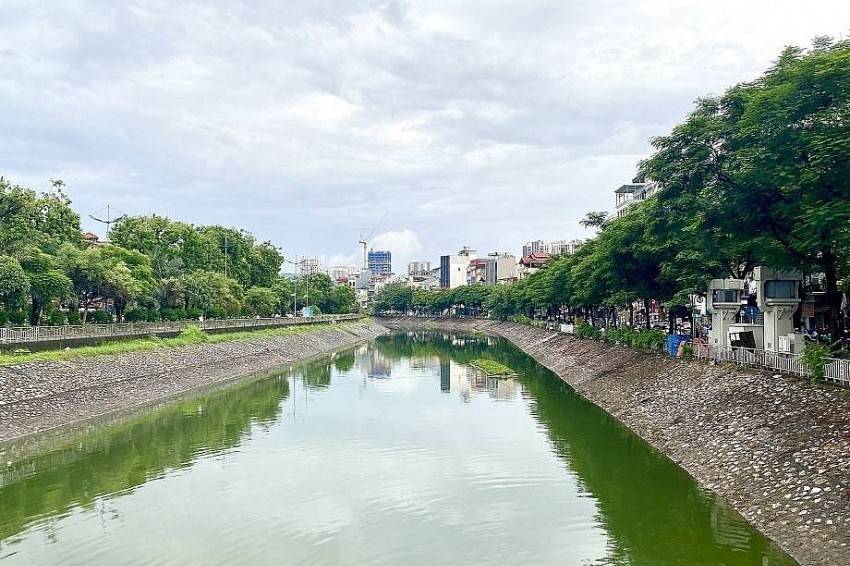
[[404, 245], [483, 123]]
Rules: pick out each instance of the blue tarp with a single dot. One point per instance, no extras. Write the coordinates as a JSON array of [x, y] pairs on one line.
[[673, 341]]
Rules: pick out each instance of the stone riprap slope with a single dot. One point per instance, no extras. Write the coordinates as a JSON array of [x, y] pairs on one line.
[[40, 396], [776, 448]]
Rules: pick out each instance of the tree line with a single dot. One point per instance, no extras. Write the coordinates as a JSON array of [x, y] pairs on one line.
[[151, 268], [759, 175]]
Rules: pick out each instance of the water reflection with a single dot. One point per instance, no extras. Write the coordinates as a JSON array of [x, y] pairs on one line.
[[392, 452], [650, 507], [119, 458]]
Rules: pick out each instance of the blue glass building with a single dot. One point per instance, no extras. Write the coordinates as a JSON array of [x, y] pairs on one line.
[[380, 262]]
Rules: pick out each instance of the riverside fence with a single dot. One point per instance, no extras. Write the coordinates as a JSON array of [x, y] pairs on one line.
[[836, 370], [35, 334]]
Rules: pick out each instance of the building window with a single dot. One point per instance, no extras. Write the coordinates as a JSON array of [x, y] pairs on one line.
[[780, 290], [725, 296]]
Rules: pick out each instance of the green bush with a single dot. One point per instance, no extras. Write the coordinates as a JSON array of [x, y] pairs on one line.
[[56, 318], [74, 317], [136, 315], [17, 317], [194, 313], [152, 315], [814, 357], [625, 336], [172, 314], [216, 312], [193, 333], [4, 317], [588, 331], [100, 317]]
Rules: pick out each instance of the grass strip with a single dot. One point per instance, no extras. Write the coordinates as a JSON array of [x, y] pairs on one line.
[[492, 368], [191, 335]]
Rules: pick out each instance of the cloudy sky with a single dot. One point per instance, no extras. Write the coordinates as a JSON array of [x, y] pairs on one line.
[[481, 123]]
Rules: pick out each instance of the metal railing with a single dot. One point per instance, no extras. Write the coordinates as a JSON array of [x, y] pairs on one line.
[[28, 334], [836, 370]]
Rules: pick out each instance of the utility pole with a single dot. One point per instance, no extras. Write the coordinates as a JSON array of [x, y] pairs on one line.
[[109, 221], [225, 254]]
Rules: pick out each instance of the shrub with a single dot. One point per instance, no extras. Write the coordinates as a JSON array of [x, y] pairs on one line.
[[588, 331], [135, 315], [74, 317], [193, 333], [216, 312], [17, 317], [101, 317], [172, 314], [4, 317], [56, 318], [650, 340], [520, 319], [814, 358], [194, 313], [152, 315]]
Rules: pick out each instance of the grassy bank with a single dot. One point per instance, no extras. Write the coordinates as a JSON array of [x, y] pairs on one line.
[[191, 335]]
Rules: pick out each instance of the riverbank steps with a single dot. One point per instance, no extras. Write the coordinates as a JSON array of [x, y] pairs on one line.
[[39, 396], [776, 448]]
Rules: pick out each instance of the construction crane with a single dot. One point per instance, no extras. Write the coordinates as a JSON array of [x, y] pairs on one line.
[[109, 220], [364, 240]]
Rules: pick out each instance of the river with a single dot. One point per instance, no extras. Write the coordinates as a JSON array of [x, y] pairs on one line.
[[395, 452]]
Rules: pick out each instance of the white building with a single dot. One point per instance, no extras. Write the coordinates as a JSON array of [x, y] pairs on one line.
[[338, 272], [308, 266], [418, 268], [563, 247], [628, 194], [554, 247], [453, 268]]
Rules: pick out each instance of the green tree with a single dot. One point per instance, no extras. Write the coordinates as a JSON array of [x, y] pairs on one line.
[[211, 291], [28, 220], [261, 301], [14, 284], [46, 280], [172, 247], [769, 158]]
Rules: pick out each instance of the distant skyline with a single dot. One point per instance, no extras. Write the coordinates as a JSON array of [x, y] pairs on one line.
[[485, 124]]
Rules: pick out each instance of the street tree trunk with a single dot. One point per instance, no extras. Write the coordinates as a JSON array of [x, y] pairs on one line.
[[833, 295]]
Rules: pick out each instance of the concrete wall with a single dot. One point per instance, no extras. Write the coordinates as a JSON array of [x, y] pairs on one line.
[[40, 396]]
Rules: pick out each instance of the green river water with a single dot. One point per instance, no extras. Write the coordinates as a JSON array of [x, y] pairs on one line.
[[395, 452]]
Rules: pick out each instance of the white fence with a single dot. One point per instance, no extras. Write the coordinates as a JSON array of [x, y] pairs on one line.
[[27, 334], [836, 370]]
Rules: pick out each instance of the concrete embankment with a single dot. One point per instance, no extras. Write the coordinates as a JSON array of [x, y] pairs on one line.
[[776, 448], [40, 396]]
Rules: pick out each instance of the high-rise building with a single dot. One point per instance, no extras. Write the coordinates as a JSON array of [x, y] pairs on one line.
[[555, 247], [418, 268], [533, 246], [453, 268], [380, 262], [308, 266], [563, 247]]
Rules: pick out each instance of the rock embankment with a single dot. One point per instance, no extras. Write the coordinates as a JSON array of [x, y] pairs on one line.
[[39, 396], [776, 448]]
